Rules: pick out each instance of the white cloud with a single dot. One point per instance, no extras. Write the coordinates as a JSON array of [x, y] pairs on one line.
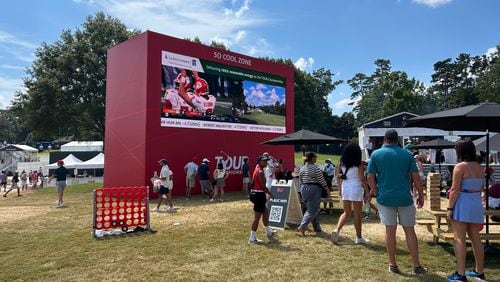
[[12, 67], [259, 48], [262, 95], [493, 51], [239, 12], [304, 64], [11, 40], [205, 19], [240, 35], [8, 87], [342, 104], [432, 3], [18, 48]]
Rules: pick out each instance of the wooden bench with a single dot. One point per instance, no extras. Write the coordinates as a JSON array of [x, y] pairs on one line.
[[328, 202], [435, 226]]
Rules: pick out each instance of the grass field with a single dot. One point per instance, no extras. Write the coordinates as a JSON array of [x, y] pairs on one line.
[[201, 242], [265, 119]]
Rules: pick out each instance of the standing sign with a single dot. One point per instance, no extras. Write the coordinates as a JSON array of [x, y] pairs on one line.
[[284, 201]]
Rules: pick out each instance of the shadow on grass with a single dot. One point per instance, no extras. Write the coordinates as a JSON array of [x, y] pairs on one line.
[[278, 245]]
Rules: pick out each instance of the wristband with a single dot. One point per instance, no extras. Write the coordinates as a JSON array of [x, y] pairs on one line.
[[449, 209]]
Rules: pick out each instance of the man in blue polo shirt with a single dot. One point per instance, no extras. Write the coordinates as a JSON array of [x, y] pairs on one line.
[[391, 171]]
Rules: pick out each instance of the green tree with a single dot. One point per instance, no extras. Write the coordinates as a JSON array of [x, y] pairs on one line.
[[66, 83], [12, 131], [454, 81], [384, 93], [311, 92], [488, 82]]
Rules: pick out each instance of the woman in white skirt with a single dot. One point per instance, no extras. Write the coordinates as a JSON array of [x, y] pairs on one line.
[[352, 189]]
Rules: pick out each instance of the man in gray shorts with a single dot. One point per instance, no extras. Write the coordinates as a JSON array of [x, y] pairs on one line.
[[205, 183], [60, 174], [389, 172]]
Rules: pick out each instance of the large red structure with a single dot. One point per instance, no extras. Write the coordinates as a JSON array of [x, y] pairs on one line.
[[139, 132]]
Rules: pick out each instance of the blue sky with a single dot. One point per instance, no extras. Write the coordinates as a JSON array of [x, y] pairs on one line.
[[345, 36], [259, 94]]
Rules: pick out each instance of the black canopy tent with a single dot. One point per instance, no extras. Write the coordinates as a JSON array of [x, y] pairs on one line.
[[437, 144], [481, 117], [304, 137]]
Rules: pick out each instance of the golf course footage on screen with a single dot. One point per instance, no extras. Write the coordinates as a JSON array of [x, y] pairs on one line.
[[197, 93]]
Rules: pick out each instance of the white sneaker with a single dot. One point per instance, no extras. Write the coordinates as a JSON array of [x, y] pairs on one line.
[[254, 241], [362, 240], [212, 200], [156, 209], [60, 205]]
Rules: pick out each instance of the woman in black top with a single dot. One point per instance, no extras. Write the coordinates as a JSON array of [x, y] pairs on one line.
[[15, 181]]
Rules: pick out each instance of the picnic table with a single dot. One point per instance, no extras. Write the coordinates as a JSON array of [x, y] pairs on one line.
[[442, 229]]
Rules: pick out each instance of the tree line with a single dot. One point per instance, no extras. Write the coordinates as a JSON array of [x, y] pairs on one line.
[[66, 88]]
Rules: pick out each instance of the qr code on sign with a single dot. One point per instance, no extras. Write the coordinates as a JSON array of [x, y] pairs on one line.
[[275, 213]]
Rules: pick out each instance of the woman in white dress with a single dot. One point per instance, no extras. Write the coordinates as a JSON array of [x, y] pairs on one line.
[[352, 189]]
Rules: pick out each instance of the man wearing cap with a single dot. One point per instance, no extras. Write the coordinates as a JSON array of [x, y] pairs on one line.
[[191, 168], [258, 198], [389, 172], [60, 174], [205, 183], [166, 178]]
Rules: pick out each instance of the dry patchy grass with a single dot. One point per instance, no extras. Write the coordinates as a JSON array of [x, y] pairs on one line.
[[203, 241]]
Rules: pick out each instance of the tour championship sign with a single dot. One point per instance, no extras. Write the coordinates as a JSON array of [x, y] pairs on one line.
[[285, 207], [173, 99]]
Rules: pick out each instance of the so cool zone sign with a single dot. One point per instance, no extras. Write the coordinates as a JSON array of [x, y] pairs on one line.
[[285, 207]]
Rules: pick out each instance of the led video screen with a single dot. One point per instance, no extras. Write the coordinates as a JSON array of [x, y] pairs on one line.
[[198, 93]]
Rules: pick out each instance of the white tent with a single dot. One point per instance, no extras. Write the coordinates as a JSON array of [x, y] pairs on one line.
[[95, 162], [69, 162], [76, 146]]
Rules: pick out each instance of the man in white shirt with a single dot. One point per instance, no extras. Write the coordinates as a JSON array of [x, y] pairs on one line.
[[166, 180], [191, 169]]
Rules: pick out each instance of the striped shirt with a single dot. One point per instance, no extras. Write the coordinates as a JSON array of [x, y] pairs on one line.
[[311, 174]]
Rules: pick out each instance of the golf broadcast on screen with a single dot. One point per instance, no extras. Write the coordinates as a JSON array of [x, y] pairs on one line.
[[197, 93]]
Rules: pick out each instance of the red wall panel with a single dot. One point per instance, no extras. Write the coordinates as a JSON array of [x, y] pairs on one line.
[[134, 139]]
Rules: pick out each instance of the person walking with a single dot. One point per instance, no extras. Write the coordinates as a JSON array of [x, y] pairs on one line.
[[259, 199], [34, 179], [329, 170], [15, 184], [60, 174], [352, 190], [245, 174], [166, 178], [465, 210], [191, 169], [24, 181], [220, 176], [3, 181], [390, 172], [205, 183], [312, 183]]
